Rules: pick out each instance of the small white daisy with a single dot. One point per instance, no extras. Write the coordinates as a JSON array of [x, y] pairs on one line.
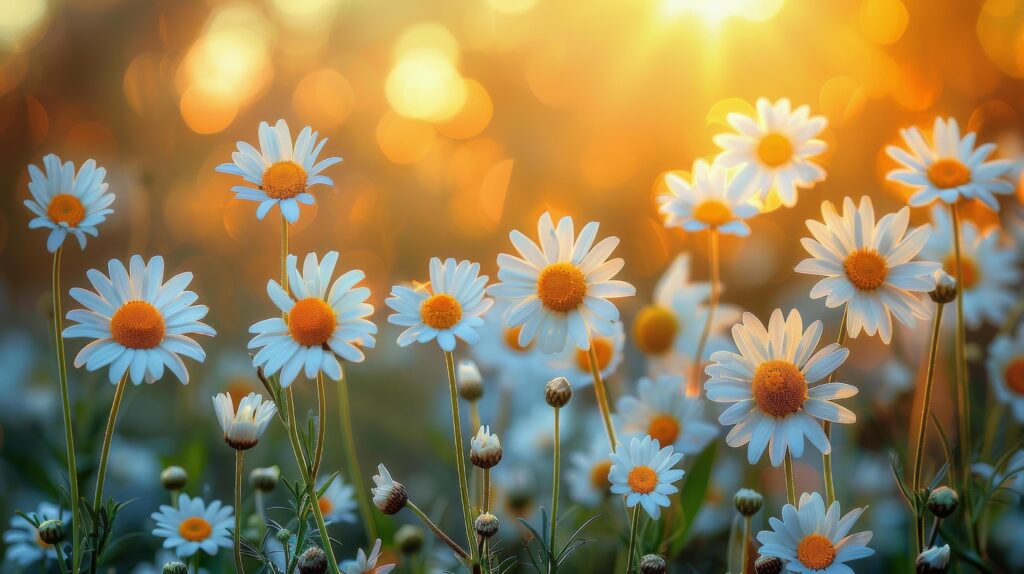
[[367, 564], [389, 495], [991, 281], [662, 410], [322, 325], [194, 526], [869, 267], [338, 502], [64, 202], [140, 323], [244, 427], [811, 539], [450, 306], [644, 473], [776, 151], [769, 382], [587, 475], [24, 546], [559, 290], [1005, 364], [950, 168], [715, 199], [282, 174], [574, 363]]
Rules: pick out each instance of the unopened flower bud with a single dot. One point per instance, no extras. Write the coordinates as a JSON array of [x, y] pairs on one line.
[[265, 479], [283, 535], [175, 568], [51, 531], [173, 478], [943, 501], [409, 538], [313, 561], [471, 382], [945, 288], [389, 496], [485, 449], [486, 525], [768, 565], [557, 392], [652, 564], [748, 502], [935, 560]]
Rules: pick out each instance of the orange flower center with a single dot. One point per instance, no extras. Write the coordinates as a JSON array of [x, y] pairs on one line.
[[195, 528], [866, 269], [561, 287], [642, 479], [66, 208], [441, 311], [665, 428], [602, 348], [512, 340], [311, 322], [1014, 375], [713, 212], [283, 180], [815, 552], [947, 173], [971, 272], [325, 504], [599, 475], [774, 150], [137, 325], [779, 388], [655, 329]]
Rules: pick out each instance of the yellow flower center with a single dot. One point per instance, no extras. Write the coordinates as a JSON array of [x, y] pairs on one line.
[[325, 504], [137, 325], [602, 348], [815, 552], [665, 428], [713, 212], [512, 340], [642, 479], [66, 208], [654, 329], [774, 150], [779, 388], [561, 287], [1014, 375], [866, 269], [971, 271], [948, 173], [283, 180], [441, 311], [195, 528], [599, 475], [311, 322]]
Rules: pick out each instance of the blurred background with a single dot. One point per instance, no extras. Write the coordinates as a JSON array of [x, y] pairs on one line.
[[457, 121]]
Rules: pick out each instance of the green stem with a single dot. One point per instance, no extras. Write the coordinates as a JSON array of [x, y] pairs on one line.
[[487, 491], [438, 532], [790, 481], [826, 426], [460, 462], [694, 386], [352, 459], [554, 493], [963, 394], [922, 429], [101, 473], [238, 513], [634, 527], [602, 396], [321, 435], [746, 545]]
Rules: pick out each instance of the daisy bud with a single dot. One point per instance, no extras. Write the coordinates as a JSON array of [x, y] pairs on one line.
[[943, 501], [768, 565], [485, 450], [265, 479], [409, 538], [945, 288], [51, 531], [935, 560], [313, 561], [388, 496], [244, 427], [283, 535], [173, 478], [471, 383], [486, 525], [652, 564], [558, 392], [748, 502], [175, 568]]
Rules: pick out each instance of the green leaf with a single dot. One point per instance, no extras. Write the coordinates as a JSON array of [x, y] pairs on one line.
[[691, 498]]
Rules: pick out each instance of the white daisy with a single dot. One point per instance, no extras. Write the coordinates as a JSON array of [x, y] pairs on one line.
[[809, 539], [715, 199], [282, 174], [587, 475], [662, 410], [24, 546], [776, 151], [1005, 364], [338, 502], [244, 427], [949, 168], [367, 564], [769, 380], [644, 473], [574, 363], [560, 289], [322, 325], [499, 350], [450, 306], [991, 280], [869, 267], [194, 526], [140, 324], [64, 202]]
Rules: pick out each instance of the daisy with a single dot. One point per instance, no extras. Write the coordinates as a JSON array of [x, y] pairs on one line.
[[194, 526], [587, 475], [560, 289], [499, 349], [991, 277], [645, 473], [322, 325], [389, 495], [869, 266], [1006, 371], [24, 545], [809, 539], [139, 323], [662, 410], [950, 168], [776, 151], [715, 199], [574, 364], [450, 306], [364, 564], [64, 202], [244, 427], [278, 173], [338, 502], [769, 383]]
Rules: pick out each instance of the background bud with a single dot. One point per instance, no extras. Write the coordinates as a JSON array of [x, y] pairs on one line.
[[265, 479], [748, 502], [945, 288], [409, 538], [943, 501], [486, 525], [175, 568], [51, 531], [471, 382], [935, 560], [768, 565], [652, 564], [312, 561], [173, 478], [557, 392], [283, 535]]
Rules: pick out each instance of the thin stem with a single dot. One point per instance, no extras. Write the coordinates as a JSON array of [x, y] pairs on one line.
[[487, 490], [321, 435], [634, 527], [826, 426], [438, 532], [101, 473], [284, 254], [922, 428], [65, 399], [352, 460], [554, 490], [790, 481], [746, 545], [602, 396], [693, 387], [963, 396], [238, 512], [460, 462]]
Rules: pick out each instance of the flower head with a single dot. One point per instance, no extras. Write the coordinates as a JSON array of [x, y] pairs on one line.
[[244, 427], [485, 449], [809, 539], [662, 410], [1006, 371], [64, 202], [587, 475], [715, 199], [389, 496], [24, 542], [139, 324], [194, 526], [279, 173], [573, 363], [338, 502], [367, 564], [644, 473]]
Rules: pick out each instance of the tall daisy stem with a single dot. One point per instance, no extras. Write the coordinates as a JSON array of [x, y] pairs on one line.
[[745, 555], [963, 394], [790, 481], [485, 502], [238, 513], [922, 428], [602, 396], [633, 529], [352, 460], [460, 462], [693, 386], [101, 473], [554, 490], [826, 426], [321, 435]]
